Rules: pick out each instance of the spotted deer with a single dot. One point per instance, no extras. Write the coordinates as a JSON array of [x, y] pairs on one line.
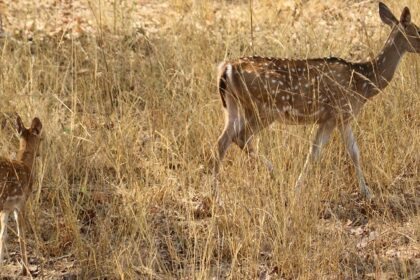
[[16, 179], [330, 92]]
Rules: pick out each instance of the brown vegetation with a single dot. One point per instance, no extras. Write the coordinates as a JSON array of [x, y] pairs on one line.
[[127, 93]]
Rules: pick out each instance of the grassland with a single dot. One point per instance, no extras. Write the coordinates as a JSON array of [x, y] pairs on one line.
[[127, 95]]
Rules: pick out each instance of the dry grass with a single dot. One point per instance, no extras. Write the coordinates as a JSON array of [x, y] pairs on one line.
[[132, 115]]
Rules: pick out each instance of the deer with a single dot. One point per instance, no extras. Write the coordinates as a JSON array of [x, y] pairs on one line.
[[328, 92], [16, 180]]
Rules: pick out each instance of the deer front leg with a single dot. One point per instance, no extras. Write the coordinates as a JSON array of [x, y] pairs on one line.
[[321, 138], [4, 217], [353, 150], [21, 235]]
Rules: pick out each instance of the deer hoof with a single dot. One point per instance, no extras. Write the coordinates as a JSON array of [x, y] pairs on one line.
[[367, 193]]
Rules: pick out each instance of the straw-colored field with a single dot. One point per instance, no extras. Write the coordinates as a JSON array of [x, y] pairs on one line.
[[126, 91]]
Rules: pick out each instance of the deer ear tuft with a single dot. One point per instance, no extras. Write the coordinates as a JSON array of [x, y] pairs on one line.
[[36, 126], [19, 125], [386, 15], [405, 17]]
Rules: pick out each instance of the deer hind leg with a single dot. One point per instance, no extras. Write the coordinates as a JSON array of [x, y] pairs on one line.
[[245, 137], [353, 150], [233, 125], [321, 138], [4, 217], [21, 235]]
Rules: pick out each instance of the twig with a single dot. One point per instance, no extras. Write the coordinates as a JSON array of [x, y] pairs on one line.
[[252, 27]]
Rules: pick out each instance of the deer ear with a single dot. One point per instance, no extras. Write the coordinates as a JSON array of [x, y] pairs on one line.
[[19, 125], [386, 15], [405, 17], [36, 126]]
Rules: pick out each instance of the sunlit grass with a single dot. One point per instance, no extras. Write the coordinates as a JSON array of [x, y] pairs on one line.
[[131, 121]]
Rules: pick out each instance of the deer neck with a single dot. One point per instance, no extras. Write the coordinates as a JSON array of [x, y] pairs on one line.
[[26, 158], [382, 68]]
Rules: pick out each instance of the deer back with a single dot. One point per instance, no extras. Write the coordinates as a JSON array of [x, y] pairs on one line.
[[301, 91]]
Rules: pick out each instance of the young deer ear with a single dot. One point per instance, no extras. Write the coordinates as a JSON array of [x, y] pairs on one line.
[[19, 125], [405, 17], [386, 15], [36, 126]]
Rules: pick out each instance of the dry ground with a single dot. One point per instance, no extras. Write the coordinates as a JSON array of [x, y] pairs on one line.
[[126, 91]]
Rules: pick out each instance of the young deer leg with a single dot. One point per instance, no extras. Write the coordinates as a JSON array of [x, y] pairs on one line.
[[321, 138], [4, 217], [353, 150], [21, 235]]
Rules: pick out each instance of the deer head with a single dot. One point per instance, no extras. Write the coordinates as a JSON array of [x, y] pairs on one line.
[[29, 140], [405, 32]]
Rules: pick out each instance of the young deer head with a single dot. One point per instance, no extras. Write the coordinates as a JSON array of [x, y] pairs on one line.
[[330, 92], [16, 178], [29, 140]]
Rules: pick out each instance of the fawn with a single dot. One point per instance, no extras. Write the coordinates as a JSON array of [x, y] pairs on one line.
[[16, 179], [330, 92]]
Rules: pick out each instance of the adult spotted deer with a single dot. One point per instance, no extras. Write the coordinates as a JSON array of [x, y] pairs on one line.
[[16, 178], [257, 91]]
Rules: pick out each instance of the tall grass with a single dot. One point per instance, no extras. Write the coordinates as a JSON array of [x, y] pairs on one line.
[[131, 118]]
